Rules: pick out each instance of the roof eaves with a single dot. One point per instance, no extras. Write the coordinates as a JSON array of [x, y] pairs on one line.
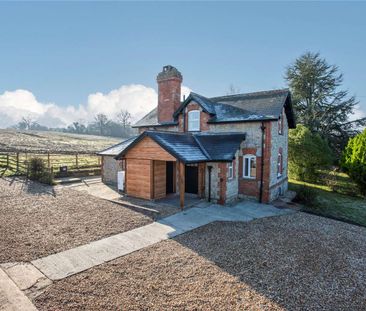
[[242, 121], [138, 139]]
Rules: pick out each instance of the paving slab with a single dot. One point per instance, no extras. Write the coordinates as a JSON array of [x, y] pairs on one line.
[[25, 275], [69, 262], [11, 297]]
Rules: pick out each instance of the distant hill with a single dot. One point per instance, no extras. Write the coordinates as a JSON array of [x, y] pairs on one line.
[[54, 142]]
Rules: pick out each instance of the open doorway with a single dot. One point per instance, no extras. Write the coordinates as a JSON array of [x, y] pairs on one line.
[[191, 172], [170, 177]]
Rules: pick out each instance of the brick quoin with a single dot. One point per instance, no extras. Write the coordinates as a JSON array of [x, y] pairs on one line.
[[267, 161], [222, 183]]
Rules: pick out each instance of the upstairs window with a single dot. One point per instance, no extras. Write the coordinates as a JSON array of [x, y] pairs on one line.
[[194, 120], [249, 166]]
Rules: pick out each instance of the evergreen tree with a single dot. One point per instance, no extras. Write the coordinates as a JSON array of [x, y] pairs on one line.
[[318, 102], [354, 160], [308, 153]]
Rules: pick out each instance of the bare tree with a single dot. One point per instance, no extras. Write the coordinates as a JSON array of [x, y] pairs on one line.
[[26, 123], [101, 122], [124, 118]]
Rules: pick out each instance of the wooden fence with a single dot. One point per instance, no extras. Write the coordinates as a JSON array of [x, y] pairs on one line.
[[17, 163]]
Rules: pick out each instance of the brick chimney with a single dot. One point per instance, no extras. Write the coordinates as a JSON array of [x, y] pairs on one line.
[[169, 83]]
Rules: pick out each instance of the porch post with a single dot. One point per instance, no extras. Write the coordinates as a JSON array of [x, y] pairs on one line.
[[182, 189]]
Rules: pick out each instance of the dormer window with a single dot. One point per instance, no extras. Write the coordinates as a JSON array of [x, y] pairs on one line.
[[194, 120]]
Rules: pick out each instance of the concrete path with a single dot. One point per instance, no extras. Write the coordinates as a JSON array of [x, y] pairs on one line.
[[11, 297], [66, 263], [96, 188]]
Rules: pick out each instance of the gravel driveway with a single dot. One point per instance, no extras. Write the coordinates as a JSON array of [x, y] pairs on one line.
[[292, 262], [38, 220]]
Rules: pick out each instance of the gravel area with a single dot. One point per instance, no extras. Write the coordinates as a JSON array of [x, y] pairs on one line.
[[38, 220], [292, 262]]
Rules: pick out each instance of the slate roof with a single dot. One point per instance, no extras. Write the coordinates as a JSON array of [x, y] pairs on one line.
[[248, 107], [220, 147], [118, 148], [193, 148]]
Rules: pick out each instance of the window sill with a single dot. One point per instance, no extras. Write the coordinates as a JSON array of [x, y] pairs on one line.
[[248, 178]]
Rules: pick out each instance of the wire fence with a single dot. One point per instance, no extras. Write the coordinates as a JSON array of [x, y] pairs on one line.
[[62, 165]]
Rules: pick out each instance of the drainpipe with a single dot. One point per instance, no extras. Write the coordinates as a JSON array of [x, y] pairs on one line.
[[262, 165], [184, 119], [209, 183]]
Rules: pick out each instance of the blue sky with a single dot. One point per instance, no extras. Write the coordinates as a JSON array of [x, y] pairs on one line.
[[61, 53]]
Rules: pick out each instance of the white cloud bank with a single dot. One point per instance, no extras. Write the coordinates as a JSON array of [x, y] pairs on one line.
[[136, 98]]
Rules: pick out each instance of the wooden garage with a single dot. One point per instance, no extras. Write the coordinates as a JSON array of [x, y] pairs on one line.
[[159, 163], [146, 170]]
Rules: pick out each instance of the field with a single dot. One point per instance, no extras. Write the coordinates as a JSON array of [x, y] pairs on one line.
[[77, 152], [340, 201], [54, 142]]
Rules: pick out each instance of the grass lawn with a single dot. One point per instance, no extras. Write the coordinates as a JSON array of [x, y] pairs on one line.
[[344, 203]]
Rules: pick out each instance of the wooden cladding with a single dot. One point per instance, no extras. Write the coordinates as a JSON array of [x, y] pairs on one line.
[[159, 176], [138, 178], [146, 178], [149, 150]]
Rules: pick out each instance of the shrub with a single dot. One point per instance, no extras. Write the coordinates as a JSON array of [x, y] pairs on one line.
[[36, 168], [308, 153], [354, 160], [306, 196], [38, 171]]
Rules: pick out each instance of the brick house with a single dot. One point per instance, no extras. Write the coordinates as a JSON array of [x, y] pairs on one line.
[[222, 148]]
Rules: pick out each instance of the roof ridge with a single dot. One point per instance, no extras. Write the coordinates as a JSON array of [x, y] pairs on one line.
[[201, 147], [252, 94]]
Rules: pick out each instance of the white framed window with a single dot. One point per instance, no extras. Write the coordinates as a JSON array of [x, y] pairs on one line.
[[249, 166], [194, 120], [279, 165], [231, 170]]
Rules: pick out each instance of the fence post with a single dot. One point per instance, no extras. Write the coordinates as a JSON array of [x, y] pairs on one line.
[[77, 161], [48, 160], [17, 161]]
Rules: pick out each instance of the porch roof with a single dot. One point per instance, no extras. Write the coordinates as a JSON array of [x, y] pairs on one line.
[[193, 148], [118, 148]]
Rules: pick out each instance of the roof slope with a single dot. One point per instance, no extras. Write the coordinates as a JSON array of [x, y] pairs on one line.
[[193, 148], [258, 106], [220, 147], [118, 148]]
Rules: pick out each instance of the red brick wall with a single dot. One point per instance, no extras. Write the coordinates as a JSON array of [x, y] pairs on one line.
[[168, 98], [251, 187], [204, 117]]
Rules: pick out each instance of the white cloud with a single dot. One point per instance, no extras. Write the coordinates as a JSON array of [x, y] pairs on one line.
[[358, 113], [137, 99]]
